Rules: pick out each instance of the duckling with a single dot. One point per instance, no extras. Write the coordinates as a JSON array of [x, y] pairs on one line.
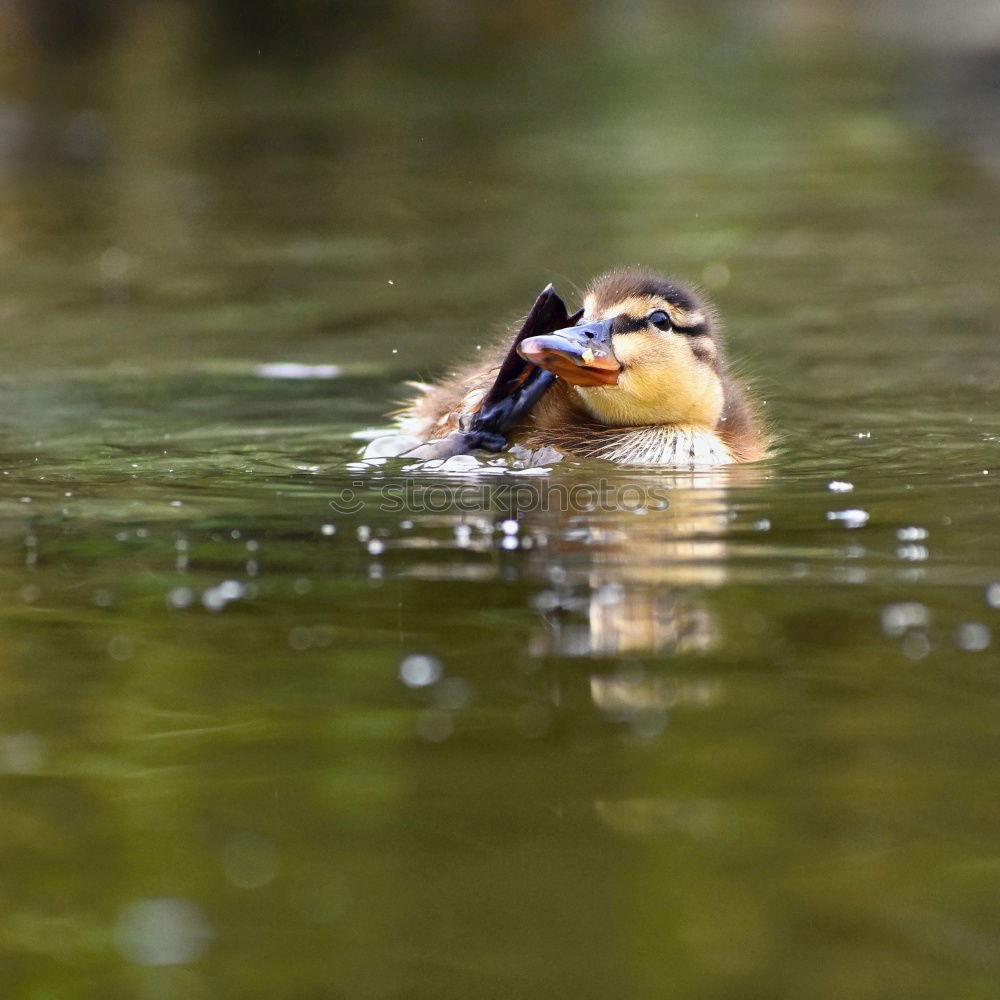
[[637, 377]]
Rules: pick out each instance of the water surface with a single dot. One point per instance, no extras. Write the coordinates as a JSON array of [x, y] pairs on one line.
[[264, 733]]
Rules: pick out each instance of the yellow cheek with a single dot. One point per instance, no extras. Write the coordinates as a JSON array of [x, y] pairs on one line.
[[662, 383]]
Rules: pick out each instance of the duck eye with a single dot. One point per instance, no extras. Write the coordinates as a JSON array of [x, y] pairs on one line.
[[659, 319]]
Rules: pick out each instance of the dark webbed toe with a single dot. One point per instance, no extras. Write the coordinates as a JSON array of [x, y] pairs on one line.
[[519, 385]]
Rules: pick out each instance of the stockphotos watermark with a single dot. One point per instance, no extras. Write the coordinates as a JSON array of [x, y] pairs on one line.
[[411, 497]]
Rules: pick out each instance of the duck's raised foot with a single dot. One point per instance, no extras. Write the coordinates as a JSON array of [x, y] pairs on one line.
[[519, 384]]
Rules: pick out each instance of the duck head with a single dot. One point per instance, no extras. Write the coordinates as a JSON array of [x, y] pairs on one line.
[[645, 351]]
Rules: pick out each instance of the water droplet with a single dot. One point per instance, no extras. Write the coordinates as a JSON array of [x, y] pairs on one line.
[[121, 648], [294, 370], [434, 725], [915, 645], [973, 637], [648, 723], [180, 597], [453, 694], [167, 931], [102, 598], [852, 518], [300, 638], [249, 861], [898, 618], [114, 265], [216, 598], [716, 275], [21, 753], [420, 670]]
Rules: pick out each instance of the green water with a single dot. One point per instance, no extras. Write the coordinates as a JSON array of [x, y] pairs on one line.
[[718, 744]]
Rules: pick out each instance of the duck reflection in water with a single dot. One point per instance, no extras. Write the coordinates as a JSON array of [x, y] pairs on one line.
[[625, 582]]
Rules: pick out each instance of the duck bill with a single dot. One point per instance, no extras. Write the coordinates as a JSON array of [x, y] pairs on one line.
[[581, 355]]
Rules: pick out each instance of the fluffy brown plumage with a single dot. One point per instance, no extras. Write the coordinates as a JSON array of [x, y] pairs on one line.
[[672, 403]]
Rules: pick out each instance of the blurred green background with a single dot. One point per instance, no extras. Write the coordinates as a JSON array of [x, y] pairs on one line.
[[252, 745]]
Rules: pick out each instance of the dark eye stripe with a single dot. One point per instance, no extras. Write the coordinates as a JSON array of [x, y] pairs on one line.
[[692, 331], [626, 324]]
